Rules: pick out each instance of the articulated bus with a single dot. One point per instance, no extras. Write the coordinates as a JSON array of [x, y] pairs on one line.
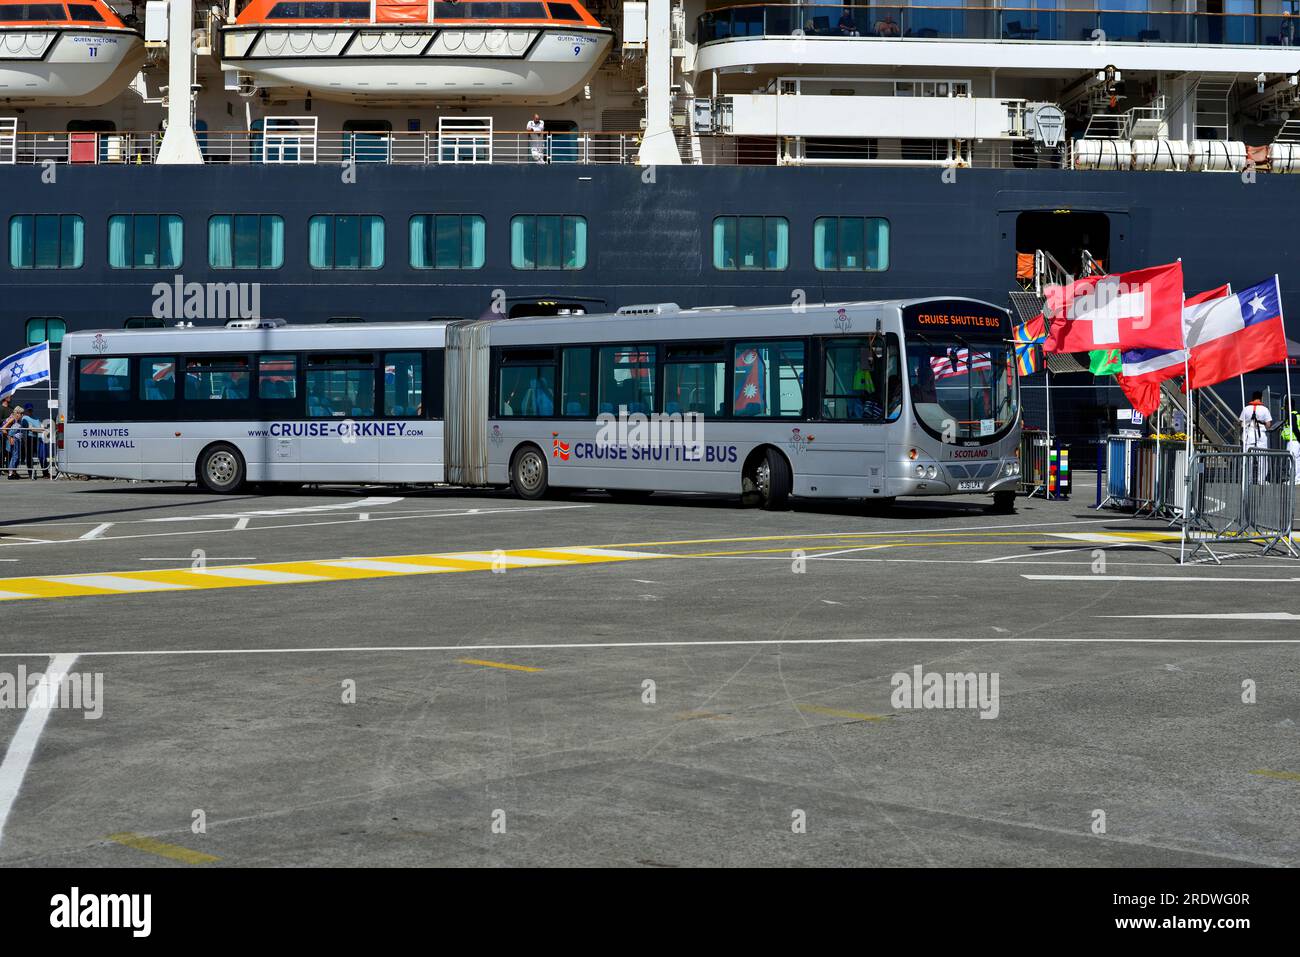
[[854, 400], [255, 401]]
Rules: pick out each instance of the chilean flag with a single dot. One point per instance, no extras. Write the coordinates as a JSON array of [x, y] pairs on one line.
[[1236, 334], [1141, 309], [1144, 369]]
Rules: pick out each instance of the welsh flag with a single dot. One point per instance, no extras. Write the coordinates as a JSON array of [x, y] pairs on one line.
[[1104, 362]]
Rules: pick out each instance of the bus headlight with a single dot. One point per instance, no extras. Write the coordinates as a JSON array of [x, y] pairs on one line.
[[931, 472], [920, 471]]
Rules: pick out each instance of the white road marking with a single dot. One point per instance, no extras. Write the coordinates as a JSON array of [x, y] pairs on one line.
[[233, 558], [372, 501], [13, 594], [22, 746], [1149, 578], [522, 561], [241, 524], [579, 646], [604, 552], [97, 531], [363, 517], [1012, 558], [370, 565], [258, 575], [112, 582], [1223, 616]]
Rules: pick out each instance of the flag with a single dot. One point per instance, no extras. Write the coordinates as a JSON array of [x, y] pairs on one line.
[[1028, 337], [749, 380], [1141, 309], [959, 362], [1104, 361], [1144, 369], [1235, 334], [28, 367]]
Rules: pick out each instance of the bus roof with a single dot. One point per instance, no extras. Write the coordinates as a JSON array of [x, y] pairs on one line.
[[320, 335]]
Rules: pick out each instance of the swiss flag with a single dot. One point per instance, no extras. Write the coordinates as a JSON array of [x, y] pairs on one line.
[[1142, 309]]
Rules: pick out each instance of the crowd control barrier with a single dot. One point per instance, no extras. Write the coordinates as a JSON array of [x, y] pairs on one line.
[[1147, 476], [27, 449], [1239, 498], [1044, 466]]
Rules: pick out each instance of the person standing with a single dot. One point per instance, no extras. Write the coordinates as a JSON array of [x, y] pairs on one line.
[[1256, 421], [536, 139], [1290, 431]]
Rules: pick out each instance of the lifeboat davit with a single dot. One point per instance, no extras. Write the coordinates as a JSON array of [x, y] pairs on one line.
[[65, 54], [403, 51]]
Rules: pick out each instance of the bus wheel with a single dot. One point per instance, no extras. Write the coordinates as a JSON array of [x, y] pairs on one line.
[[221, 468], [1004, 503], [769, 481], [528, 472]]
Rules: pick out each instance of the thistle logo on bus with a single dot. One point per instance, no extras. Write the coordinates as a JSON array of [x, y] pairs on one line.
[[495, 436], [842, 321], [99, 343], [798, 441], [559, 450]]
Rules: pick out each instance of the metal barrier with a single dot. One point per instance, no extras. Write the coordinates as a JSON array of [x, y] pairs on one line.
[[1146, 475], [29, 449], [1034, 461], [1240, 498]]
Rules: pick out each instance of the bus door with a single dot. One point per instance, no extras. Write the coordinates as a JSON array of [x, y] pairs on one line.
[[861, 393], [342, 435], [409, 448], [160, 448]]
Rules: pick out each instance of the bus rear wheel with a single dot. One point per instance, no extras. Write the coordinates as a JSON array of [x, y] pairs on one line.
[[768, 481], [221, 468], [528, 473]]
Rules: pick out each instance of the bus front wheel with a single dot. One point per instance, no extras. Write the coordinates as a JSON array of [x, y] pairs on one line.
[[221, 468], [528, 473], [1004, 503], [769, 481]]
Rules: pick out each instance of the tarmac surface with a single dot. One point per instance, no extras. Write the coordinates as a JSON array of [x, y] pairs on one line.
[[378, 676]]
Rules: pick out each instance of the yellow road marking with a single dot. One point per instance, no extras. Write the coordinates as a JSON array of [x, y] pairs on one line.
[[172, 851], [837, 713], [496, 664], [698, 716], [1280, 775], [152, 581]]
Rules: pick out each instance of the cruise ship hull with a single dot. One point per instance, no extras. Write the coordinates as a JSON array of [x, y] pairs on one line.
[[66, 66], [531, 65]]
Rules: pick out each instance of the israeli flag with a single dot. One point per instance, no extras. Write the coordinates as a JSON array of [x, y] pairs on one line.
[[24, 368]]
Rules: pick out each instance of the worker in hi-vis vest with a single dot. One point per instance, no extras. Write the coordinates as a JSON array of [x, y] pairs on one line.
[[1289, 433]]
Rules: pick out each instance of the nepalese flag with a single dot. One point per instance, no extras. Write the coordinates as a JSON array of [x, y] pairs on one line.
[[959, 362], [1144, 369], [749, 379], [1141, 309], [1029, 336], [1236, 334], [28, 367]]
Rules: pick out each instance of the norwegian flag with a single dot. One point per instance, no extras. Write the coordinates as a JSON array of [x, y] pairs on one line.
[[959, 362], [749, 379]]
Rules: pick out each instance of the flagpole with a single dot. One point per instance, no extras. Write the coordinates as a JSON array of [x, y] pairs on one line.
[[1047, 476], [1286, 362]]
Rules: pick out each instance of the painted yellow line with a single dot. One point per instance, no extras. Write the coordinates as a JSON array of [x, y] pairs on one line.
[[699, 716], [171, 851], [1280, 775], [152, 581], [837, 713], [496, 664]]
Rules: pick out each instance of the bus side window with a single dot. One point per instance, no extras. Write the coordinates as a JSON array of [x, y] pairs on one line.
[[526, 381], [853, 385], [403, 385], [768, 379], [341, 386], [575, 381], [627, 379], [158, 379]]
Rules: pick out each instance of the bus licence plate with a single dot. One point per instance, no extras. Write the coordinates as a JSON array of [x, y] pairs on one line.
[[970, 486]]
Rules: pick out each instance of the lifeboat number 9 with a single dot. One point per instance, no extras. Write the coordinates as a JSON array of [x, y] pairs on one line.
[[576, 49]]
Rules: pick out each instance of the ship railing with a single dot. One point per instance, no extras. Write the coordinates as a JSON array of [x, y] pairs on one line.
[[1013, 23], [281, 143]]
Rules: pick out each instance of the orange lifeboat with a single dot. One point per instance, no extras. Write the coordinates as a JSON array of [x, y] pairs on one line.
[[65, 54], [401, 51]]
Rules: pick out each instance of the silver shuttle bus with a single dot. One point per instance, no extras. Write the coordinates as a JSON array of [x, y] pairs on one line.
[[851, 400], [256, 401]]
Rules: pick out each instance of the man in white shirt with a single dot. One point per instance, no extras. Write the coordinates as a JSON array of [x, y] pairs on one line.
[[1256, 422], [535, 139]]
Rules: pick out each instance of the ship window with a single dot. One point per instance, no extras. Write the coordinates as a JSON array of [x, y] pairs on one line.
[[144, 322], [46, 242], [346, 242], [520, 11], [320, 11], [448, 242], [564, 11], [84, 12], [851, 244], [751, 242], [46, 329], [246, 242], [145, 242], [548, 242], [33, 12], [451, 11]]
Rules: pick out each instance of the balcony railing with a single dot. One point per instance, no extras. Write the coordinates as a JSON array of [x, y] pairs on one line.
[[989, 23]]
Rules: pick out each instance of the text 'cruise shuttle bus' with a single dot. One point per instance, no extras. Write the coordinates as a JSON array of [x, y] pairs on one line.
[[853, 400], [256, 401]]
